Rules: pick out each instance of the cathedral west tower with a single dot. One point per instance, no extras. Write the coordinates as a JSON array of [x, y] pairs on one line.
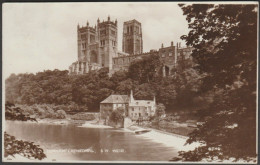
[[107, 35], [132, 37]]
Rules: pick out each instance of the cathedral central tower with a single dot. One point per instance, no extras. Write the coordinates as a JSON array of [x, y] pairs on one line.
[[132, 37]]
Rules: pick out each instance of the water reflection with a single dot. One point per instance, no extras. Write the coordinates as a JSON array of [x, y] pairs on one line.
[[77, 142]]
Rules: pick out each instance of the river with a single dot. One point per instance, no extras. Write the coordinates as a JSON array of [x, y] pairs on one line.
[[73, 143]]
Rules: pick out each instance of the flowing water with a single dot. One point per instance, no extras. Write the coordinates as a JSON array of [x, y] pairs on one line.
[[73, 143]]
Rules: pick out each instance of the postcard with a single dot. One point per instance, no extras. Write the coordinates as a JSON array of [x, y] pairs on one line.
[[130, 82]]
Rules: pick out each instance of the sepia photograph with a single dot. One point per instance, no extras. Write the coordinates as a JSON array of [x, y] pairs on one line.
[[130, 82]]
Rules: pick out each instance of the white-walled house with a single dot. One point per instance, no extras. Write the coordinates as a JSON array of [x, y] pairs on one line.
[[141, 108], [134, 109]]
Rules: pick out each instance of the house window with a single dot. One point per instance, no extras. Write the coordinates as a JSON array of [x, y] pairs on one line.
[[170, 54]]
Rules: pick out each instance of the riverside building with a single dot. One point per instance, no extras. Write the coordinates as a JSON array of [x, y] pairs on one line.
[[134, 109]]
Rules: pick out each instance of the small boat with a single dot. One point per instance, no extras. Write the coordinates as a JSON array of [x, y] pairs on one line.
[[142, 131]]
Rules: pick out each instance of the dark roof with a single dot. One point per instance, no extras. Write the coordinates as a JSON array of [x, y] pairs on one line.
[[119, 99]]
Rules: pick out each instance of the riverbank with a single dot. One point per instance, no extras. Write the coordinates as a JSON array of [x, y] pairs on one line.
[[61, 121]]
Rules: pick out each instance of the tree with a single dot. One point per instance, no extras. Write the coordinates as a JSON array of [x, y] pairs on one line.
[[23, 148], [160, 110], [126, 86], [144, 70], [117, 115], [16, 113], [187, 81], [224, 38], [61, 114]]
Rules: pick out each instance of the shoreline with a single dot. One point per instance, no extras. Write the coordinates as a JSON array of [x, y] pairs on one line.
[[168, 139]]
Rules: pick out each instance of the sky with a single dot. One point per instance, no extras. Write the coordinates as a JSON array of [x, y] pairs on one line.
[[43, 36]]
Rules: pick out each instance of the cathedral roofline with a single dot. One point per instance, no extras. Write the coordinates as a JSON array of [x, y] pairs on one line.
[[140, 54], [131, 21]]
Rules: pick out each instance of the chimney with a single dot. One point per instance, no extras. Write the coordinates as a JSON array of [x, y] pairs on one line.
[[172, 43], [162, 45], [78, 26], [179, 44], [87, 23], [131, 96], [108, 18], [98, 20]]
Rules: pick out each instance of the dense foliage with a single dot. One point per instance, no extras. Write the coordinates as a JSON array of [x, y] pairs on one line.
[[23, 148], [85, 92], [160, 110], [32, 112], [16, 113], [117, 115], [224, 38]]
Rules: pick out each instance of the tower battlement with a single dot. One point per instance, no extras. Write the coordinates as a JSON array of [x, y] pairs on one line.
[[108, 22]]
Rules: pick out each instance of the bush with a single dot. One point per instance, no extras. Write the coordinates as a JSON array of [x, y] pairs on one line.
[[61, 114], [117, 115]]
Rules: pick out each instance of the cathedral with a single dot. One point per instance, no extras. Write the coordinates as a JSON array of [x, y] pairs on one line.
[[97, 48]]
